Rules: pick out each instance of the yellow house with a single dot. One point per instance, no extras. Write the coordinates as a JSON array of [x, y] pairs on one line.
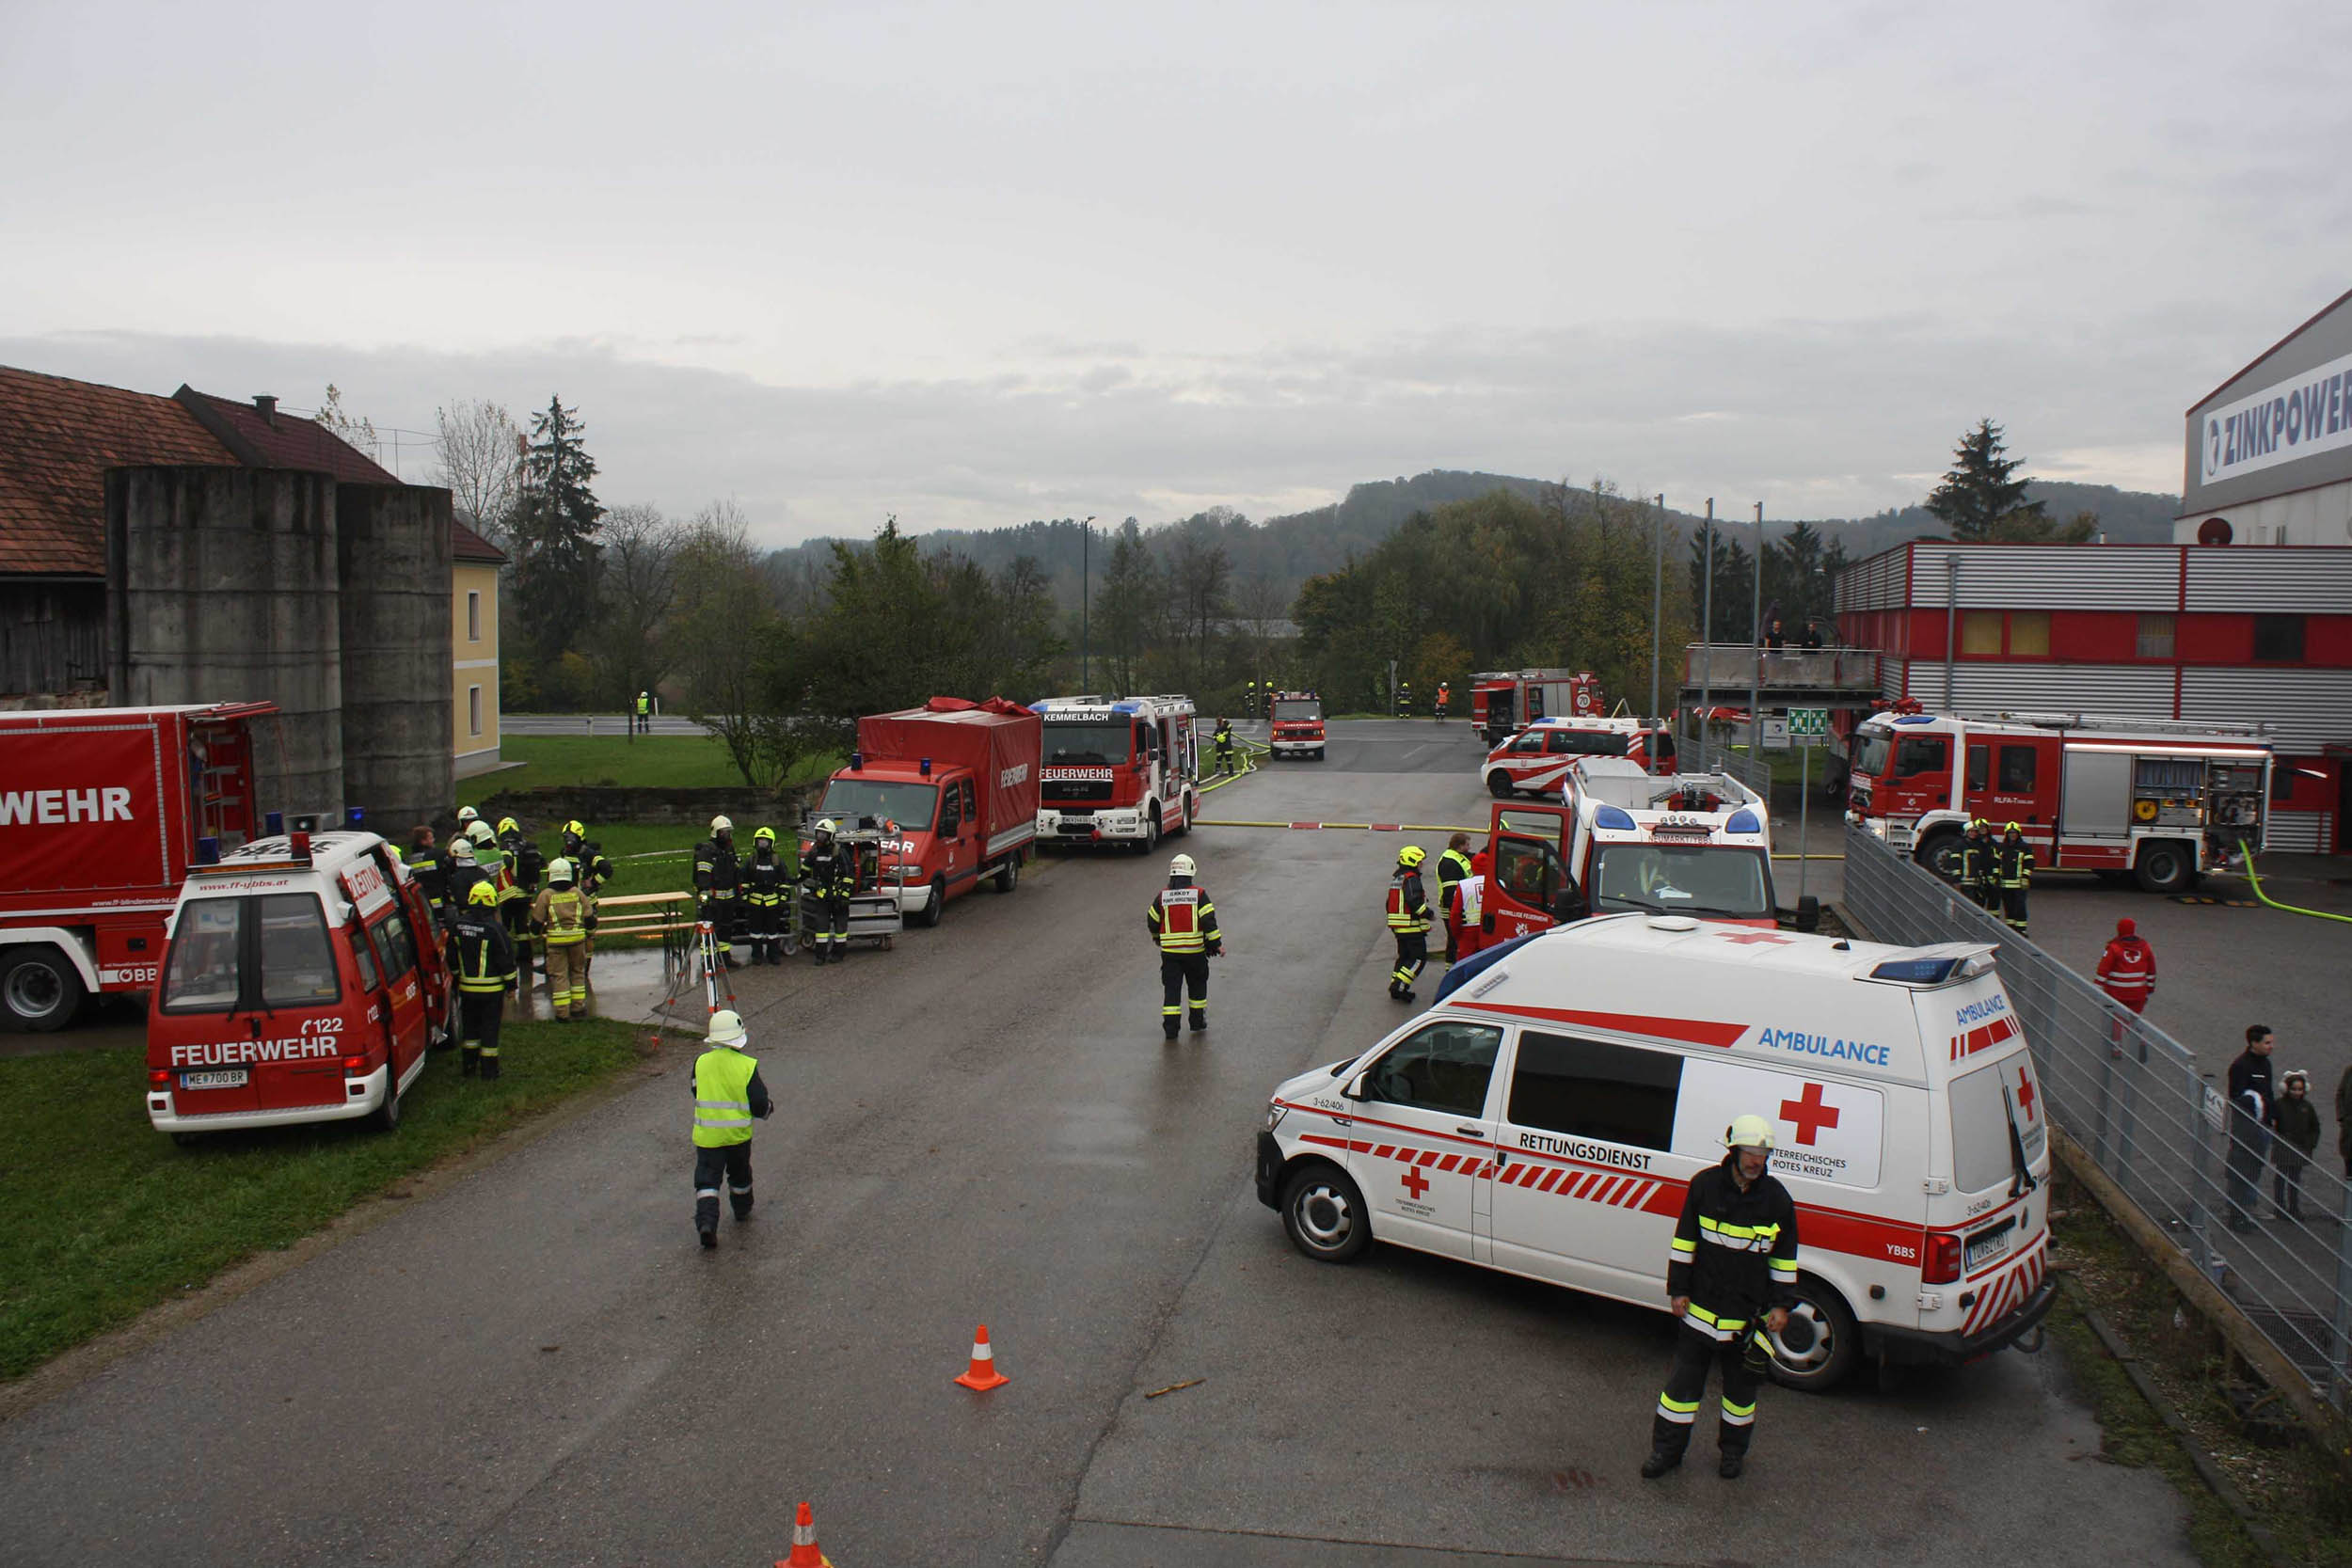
[[473, 650]]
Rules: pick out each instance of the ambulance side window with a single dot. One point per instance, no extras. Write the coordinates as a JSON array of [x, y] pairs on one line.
[[1613, 1093], [1530, 742], [399, 948], [1442, 1068], [297, 959], [363, 956]]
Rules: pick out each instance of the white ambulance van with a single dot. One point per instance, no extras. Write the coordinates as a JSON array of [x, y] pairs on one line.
[[1545, 1116]]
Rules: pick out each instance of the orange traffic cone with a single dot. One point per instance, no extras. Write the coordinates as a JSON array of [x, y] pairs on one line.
[[982, 1374], [804, 1549]]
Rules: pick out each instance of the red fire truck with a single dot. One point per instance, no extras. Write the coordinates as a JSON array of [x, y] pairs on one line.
[[102, 813], [2159, 800], [1504, 702], [1296, 725], [1116, 771]]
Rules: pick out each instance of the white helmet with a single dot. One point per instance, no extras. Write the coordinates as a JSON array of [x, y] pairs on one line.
[[726, 1027], [827, 827], [559, 870], [721, 825], [1180, 867], [480, 832], [1748, 1133], [466, 815], [461, 850]]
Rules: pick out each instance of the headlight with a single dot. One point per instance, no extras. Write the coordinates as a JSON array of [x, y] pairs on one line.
[[1275, 1112]]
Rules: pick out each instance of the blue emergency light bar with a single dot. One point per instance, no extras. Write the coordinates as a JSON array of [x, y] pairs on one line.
[[1918, 971], [272, 824], [926, 768], [1615, 818], [208, 851], [857, 762], [1743, 821], [355, 817]]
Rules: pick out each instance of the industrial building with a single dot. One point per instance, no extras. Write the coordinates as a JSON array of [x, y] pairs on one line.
[[195, 548], [2269, 451]]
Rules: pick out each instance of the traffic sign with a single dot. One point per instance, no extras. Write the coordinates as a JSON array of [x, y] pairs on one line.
[[1808, 726]]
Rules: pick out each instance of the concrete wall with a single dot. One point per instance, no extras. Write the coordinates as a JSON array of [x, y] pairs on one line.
[[224, 586], [393, 547], [474, 670]]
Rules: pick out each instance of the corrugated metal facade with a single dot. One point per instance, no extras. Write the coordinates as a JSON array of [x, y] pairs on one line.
[[2031, 576], [1875, 583], [2138, 690], [2307, 710], [2302, 832], [2295, 578]]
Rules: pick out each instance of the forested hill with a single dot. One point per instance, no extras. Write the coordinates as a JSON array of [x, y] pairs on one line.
[[1280, 553]]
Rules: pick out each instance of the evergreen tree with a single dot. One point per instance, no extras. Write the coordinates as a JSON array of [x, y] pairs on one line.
[[558, 563], [1981, 498]]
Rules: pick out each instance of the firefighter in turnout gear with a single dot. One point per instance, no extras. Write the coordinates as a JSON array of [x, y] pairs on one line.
[[1224, 743], [645, 713], [830, 876], [1453, 867], [1409, 919], [463, 874], [1975, 866], [423, 859], [1731, 1277], [1445, 695], [718, 888], [482, 956], [561, 914], [2012, 866], [590, 872], [765, 888], [525, 868], [1404, 699], [727, 1096], [1183, 921]]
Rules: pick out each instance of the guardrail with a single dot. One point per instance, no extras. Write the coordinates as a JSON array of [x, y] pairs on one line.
[[2136, 1101], [1731, 669]]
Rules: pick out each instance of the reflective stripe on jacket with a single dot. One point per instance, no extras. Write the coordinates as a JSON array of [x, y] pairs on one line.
[[722, 1097], [1183, 920], [486, 956], [1408, 906], [562, 914], [1734, 1252]]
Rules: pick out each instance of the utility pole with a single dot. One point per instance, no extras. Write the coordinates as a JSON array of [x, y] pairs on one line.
[[1658, 608], [1756, 656], [1085, 595], [1707, 632]]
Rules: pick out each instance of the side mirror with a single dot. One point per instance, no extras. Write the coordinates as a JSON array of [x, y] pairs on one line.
[[1354, 1087], [1570, 905]]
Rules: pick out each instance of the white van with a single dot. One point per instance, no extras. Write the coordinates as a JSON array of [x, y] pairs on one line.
[[1545, 1116]]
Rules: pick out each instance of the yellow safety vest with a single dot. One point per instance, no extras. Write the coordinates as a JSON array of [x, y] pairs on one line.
[[722, 1097]]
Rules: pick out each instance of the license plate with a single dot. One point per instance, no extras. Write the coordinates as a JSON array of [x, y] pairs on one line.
[[1982, 1248], [227, 1078]]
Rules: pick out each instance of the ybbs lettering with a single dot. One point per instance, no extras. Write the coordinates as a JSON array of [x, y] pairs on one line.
[[27, 807]]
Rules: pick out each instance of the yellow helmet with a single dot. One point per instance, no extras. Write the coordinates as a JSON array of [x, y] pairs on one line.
[[507, 825], [575, 830], [482, 893], [764, 836], [1411, 855], [1748, 1133], [2013, 828]]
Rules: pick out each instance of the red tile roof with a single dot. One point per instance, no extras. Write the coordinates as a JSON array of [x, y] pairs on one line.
[[58, 439], [467, 545], [281, 440]]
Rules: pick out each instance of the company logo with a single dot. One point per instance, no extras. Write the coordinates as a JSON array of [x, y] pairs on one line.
[[1016, 774], [27, 807]]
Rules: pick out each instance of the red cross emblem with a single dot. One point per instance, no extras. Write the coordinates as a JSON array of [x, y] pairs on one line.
[[2024, 1092], [1749, 938], [1415, 1182], [1808, 1114]]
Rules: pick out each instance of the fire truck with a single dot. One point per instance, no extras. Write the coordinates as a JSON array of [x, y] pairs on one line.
[[103, 811], [1504, 702], [2157, 801], [1536, 760], [1116, 771], [1296, 726]]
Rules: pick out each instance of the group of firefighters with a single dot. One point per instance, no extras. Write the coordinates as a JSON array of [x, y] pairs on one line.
[[1995, 872], [744, 899]]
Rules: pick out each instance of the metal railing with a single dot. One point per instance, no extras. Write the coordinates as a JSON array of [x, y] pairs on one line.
[[2136, 1101], [1695, 753], [1730, 670]]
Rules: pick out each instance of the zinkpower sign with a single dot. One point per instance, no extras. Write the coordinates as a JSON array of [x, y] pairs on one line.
[[2302, 416]]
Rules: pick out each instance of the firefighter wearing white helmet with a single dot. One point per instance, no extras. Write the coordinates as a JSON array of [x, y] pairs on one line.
[[828, 876], [1183, 921], [727, 1096], [561, 914], [1731, 1278], [718, 884]]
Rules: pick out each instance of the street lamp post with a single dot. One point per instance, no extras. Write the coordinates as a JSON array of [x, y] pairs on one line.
[[1657, 607], [1086, 596], [1756, 665]]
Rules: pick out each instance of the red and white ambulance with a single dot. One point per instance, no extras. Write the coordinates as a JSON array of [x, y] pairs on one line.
[[303, 983], [1116, 771], [1294, 725], [2158, 800], [1536, 760], [1545, 1116]]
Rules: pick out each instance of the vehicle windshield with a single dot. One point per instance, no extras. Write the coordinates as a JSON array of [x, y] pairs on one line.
[[910, 805], [1080, 742], [1725, 880], [1870, 753], [206, 970], [1297, 708]]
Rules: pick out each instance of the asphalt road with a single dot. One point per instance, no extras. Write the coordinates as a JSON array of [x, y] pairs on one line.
[[591, 724], [538, 1366]]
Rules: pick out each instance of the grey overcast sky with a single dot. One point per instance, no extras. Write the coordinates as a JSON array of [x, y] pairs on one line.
[[976, 265]]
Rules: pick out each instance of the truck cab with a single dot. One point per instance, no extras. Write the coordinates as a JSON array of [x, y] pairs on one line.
[[1294, 725], [1116, 771], [302, 983]]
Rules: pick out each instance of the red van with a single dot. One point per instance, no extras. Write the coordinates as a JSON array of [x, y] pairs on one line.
[[303, 982]]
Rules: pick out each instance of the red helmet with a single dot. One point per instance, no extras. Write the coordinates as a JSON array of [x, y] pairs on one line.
[[2126, 927]]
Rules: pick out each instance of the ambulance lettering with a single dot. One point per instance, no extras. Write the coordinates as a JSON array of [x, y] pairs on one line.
[[27, 807], [1980, 1009], [1577, 1149], [1806, 1043]]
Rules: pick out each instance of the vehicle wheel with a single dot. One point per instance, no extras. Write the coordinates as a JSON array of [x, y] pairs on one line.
[[385, 1117], [1837, 1342], [1941, 852], [1008, 874], [1323, 1213], [935, 906], [39, 990], [2164, 867], [1499, 784], [1151, 839]]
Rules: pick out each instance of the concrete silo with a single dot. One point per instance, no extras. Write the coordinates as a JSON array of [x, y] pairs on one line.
[[393, 543]]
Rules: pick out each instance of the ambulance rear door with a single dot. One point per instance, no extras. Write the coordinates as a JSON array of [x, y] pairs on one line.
[[1988, 1235]]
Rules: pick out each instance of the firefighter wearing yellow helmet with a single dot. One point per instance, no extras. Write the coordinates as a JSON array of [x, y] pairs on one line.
[[484, 956], [1731, 1278], [764, 887], [1409, 920], [1183, 921]]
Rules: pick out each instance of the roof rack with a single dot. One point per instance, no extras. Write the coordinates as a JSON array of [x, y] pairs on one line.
[[2123, 721]]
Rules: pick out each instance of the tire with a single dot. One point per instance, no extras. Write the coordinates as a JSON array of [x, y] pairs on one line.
[[1940, 852], [1151, 839], [41, 990], [1499, 784], [935, 906], [1318, 754], [2166, 866], [385, 1117], [1325, 1213], [1008, 874], [1836, 1345]]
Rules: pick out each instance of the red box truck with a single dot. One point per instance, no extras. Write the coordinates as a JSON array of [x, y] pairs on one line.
[[959, 779]]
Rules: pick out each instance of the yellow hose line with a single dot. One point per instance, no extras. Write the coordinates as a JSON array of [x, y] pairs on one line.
[[2290, 909], [1250, 751]]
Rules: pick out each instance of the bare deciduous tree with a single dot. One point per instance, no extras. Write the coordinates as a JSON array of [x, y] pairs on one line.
[[480, 451], [725, 619], [639, 586]]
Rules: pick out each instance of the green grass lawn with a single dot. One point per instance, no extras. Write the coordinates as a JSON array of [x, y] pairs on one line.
[[101, 1216], [649, 761]]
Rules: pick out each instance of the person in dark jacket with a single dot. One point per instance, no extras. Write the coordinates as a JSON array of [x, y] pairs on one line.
[[423, 859], [462, 873], [1181, 919], [828, 876], [2249, 1123], [481, 956], [2344, 1120], [1409, 919], [718, 888], [1731, 1277], [1976, 867], [2295, 1121]]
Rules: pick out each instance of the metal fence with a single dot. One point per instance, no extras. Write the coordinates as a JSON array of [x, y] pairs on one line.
[[2158, 1126], [1697, 754]]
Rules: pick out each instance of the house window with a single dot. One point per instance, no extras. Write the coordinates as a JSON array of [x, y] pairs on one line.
[[473, 615], [1981, 632], [473, 708], [2278, 639], [2029, 633], [2155, 637]]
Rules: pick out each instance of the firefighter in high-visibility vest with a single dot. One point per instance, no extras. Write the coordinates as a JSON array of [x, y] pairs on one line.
[[1223, 741], [765, 889], [2012, 866], [828, 876], [482, 956], [1404, 699], [1453, 866], [1975, 866], [1253, 700], [718, 888], [1471, 921], [1409, 919], [1445, 695], [645, 713], [1731, 1278], [728, 1095], [1181, 919]]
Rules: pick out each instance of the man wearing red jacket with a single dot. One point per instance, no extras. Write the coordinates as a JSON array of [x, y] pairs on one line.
[[2127, 970]]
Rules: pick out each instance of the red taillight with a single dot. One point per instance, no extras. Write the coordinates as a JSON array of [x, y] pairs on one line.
[[161, 1077], [1941, 1264], [354, 1064]]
